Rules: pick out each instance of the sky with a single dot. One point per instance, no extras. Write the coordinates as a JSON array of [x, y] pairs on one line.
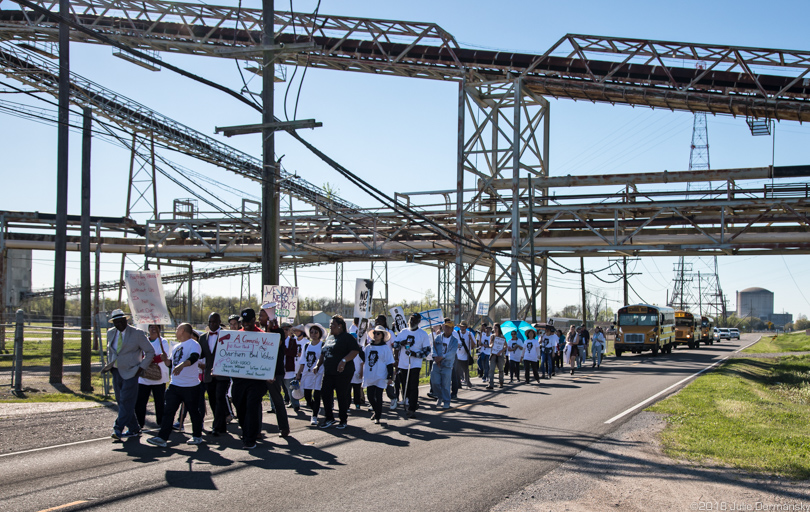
[[400, 133]]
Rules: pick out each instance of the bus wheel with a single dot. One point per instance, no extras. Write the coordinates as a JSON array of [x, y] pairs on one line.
[[690, 345], [655, 350]]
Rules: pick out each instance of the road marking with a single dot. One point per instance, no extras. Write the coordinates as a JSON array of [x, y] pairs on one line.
[[641, 404], [66, 505]]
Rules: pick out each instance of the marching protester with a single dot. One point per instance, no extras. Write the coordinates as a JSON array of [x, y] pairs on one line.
[[559, 355], [274, 385], [598, 347], [184, 387], [217, 387], [584, 339], [445, 347], [247, 393], [156, 388], [413, 345], [233, 322], [358, 398], [550, 344], [129, 353], [291, 352], [484, 351], [496, 360], [310, 377], [515, 352], [337, 360], [531, 355], [378, 372], [464, 357], [571, 348]]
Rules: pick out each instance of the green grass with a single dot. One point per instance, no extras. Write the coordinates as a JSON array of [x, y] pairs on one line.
[[37, 348], [793, 342], [32, 392], [749, 413]]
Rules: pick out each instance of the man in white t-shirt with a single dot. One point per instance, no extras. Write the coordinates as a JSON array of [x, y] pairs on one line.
[[414, 345], [184, 387], [466, 344], [550, 342]]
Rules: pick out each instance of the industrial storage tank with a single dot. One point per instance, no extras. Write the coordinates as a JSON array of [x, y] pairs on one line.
[[755, 303]]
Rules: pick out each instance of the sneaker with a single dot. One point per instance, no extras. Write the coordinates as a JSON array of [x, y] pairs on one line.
[[284, 433], [116, 435], [156, 441], [248, 446], [431, 395], [357, 407], [128, 434], [341, 425], [446, 406], [327, 423], [296, 409], [394, 403], [195, 440], [179, 427], [314, 421], [410, 414], [377, 421], [490, 387]]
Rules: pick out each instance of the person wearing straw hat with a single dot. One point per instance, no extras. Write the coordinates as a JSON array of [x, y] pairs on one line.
[[129, 353], [308, 376], [414, 345], [378, 369], [445, 347]]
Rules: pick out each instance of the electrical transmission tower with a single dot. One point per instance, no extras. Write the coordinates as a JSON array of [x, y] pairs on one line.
[[700, 292]]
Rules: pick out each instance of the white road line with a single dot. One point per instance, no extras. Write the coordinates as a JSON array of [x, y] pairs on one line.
[[643, 403]]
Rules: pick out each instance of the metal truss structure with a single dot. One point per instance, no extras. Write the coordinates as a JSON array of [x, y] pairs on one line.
[[506, 213]]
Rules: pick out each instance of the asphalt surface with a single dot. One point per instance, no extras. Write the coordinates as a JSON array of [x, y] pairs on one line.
[[471, 457]]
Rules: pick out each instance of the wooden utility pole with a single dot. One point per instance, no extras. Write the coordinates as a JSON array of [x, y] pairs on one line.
[[584, 293], [270, 203]]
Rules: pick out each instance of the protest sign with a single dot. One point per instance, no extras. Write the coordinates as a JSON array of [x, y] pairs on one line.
[[431, 317], [482, 309], [147, 303], [246, 354], [399, 319], [362, 330], [286, 299], [363, 292]]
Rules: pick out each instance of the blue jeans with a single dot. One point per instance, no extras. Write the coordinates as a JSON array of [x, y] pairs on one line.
[[483, 366], [126, 391], [596, 353], [546, 362], [582, 354], [440, 382]]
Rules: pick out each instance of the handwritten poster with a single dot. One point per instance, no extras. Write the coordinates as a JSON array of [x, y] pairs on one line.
[[146, 299], [399, 319], [286, 298], [363, 292], [246, 354]]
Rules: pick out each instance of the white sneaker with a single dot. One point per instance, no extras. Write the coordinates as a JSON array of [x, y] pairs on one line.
[[314, 421], [156, 441], [195, 440], [394, 403]]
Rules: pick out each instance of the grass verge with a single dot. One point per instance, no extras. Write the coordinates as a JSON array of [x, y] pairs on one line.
[[792, 342], [749, 413]]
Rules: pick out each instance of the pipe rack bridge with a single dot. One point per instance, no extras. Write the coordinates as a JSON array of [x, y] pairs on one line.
[[752, 82]]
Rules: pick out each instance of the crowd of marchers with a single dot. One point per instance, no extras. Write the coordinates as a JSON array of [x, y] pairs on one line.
[[314, 367]]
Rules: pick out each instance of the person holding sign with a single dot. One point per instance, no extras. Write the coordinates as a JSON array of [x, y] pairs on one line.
[[378, 371], [184, 388], [216, 386], [337, 360], [129, 353], [496, 360], [308, 375], [248, 393], [445, 347], [413, 345]]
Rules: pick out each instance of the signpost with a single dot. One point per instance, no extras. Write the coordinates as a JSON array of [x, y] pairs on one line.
[[246, 354]]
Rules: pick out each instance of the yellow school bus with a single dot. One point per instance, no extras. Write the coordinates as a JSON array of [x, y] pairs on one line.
[[642, 327], [706, 331], [685, 332]]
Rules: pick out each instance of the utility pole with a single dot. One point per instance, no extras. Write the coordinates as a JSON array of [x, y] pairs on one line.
[[85, 378], [60, 257], [584, 293], [270, 203], [624, 275]]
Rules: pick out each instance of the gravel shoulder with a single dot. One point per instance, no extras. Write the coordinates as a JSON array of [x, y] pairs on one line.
[[627, 470]]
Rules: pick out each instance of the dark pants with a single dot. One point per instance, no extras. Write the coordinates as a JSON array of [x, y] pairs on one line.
[[357, 392], [275, 388], [375, 398], [175, 396], [412, 393], [339, 384], [533, 365], [144, 390], [218, 401], [514, 369], [558, 359], [247, 398], [181, 418], [313, 398], [126, 393]]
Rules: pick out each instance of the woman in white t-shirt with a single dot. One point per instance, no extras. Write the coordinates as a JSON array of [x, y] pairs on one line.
[[531, 355], [378, 371], [515, 351], [310, 380], [598, 347], [496, 360], [156, 388], [484, 351]]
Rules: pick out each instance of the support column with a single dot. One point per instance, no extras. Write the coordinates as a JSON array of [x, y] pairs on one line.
[[513, 300], [339, 287], [459, 270], [85, 252], [270, 203], [60, 256], [584, 293], [626, 283], [96, 309], [189, 301]]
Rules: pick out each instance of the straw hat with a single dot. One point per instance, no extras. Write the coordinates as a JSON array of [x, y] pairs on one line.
[[380, 328], [319, 327]]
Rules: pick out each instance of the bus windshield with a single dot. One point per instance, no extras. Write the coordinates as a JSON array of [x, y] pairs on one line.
[[704, 323], [684, 322], [626, 319]]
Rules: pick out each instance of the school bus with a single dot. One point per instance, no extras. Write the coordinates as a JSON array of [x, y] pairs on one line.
[[706, 331], [642, 327], [685, 332]]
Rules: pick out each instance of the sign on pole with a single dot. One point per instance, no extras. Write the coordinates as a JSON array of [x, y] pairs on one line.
[[145, 296], [431, 317], [363, 292], [482, 309], [246, 354], [399, 319], [286, 299]]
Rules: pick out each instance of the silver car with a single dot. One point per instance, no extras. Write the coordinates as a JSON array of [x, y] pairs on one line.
[[734, 333]]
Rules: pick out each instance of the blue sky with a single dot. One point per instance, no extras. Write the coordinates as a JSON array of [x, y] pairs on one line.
[[401, 133]]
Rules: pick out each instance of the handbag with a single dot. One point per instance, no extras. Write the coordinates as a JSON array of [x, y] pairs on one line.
[[152, 372]]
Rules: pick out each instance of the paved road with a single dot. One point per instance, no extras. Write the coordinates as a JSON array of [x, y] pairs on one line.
[[467, 458]]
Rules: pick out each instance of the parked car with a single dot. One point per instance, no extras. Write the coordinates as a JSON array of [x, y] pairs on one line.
[[724, 333], [734, 333], [716, 334]]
